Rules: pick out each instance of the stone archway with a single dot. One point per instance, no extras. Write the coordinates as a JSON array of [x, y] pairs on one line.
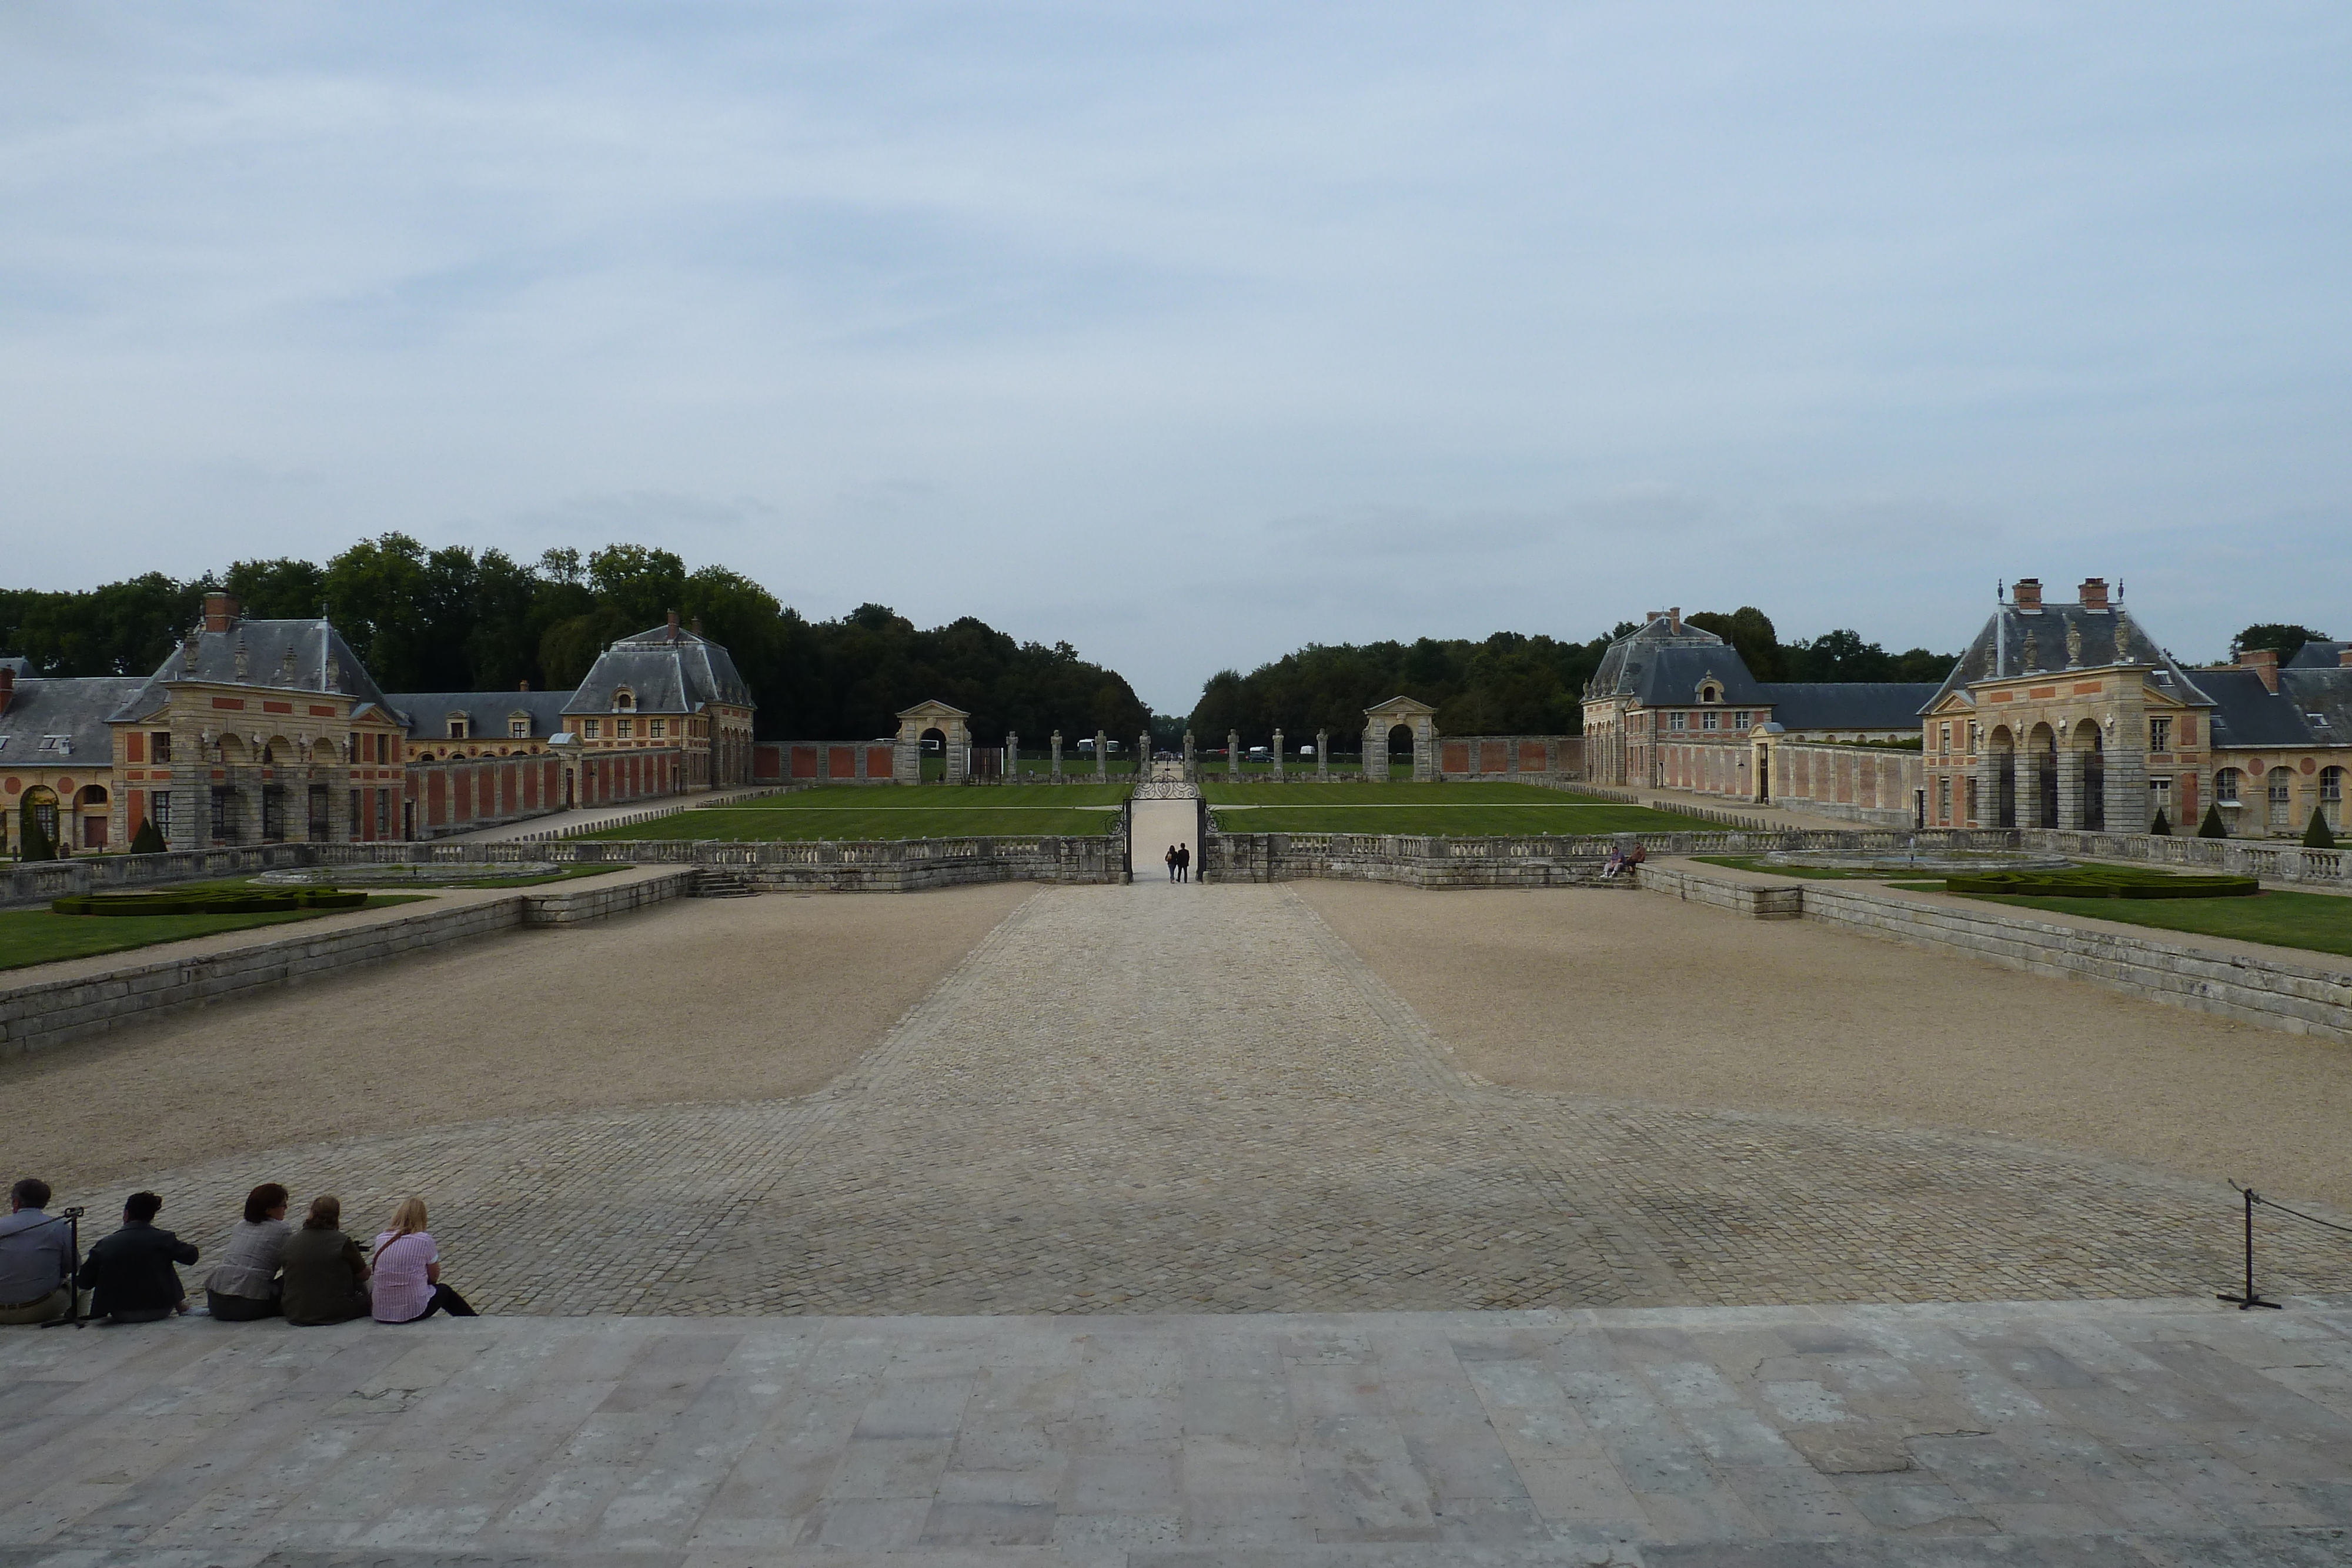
[[1416, 716], [953, 723]]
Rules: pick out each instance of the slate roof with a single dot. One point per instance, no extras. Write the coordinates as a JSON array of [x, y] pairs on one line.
[[2318, 655], [2109, 636], [23, 666], [74, 707], [427, 713], [283, 655], [666, 671], [1630, 662], [1847, 704], [2313, 707]]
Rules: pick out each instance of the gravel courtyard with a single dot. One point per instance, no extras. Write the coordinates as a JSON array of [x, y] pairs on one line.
[[1159, 1099]]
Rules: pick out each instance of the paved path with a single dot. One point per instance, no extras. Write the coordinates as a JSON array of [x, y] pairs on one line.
[[1154, 1099], [2157, 1435]]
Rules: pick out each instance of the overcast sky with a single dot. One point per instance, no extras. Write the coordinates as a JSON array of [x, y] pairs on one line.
[[1190, 333]]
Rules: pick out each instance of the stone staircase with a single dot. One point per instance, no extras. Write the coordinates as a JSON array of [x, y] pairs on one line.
[[722, 881]]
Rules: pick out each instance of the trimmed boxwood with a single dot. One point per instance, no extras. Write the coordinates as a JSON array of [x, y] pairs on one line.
[[210, 901], [2103, 882]]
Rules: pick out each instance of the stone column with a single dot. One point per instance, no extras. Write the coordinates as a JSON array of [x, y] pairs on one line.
[[1057, 757], [1143, 757], [1190, 776], [2128, 808], [1376, 754], [1012, 755], [1234, 755], [1988, 789], [1281, 765], [1425, 752], [1322, 757], [2029, 789], [1102, 757], [2070, 788]]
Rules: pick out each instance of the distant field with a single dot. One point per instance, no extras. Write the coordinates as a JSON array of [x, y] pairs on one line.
[[885, 812], [1458, 810]]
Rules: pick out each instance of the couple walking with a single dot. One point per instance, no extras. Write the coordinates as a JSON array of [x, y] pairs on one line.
[[1180, 863]]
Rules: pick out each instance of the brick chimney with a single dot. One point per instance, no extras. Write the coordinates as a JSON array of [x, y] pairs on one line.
[[221, 611], [2344, 656], [7, 686], [2263, 662], [2094, 593], [2027, 593], [1675, 620], [696, 627], [523, 685], [673, 625]]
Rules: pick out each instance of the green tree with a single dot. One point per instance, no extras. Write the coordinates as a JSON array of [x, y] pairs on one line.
[[2285, 636], [280, 590], [2212, 827], [1752, 635]]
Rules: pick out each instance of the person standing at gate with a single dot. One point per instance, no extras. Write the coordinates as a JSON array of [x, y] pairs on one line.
[[1171, 858], [1183, 863]]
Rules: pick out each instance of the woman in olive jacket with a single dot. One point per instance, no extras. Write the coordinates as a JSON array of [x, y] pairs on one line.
[[326, 1278]]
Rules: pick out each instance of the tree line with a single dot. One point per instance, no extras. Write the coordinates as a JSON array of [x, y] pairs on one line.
[[1509, 683], [456, 620]]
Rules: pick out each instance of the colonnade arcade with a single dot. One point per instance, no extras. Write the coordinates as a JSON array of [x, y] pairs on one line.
[[2045, 778]]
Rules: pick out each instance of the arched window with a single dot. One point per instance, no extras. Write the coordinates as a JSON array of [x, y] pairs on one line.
[[2282, 793], [624, 700], [2225, 786], [2331, 795]]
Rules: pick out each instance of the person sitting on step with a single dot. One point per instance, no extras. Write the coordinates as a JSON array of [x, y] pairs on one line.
[[244, 1285], [131, 1274], [326, 1277], [408, 1287], [36, 1258]]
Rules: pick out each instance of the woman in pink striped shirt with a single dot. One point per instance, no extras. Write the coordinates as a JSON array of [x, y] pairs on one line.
[[408, 1285]]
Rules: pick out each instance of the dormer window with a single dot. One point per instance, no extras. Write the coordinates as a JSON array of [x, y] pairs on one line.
[[1710, 693], [625, 701], [518, 726], [458, 726]]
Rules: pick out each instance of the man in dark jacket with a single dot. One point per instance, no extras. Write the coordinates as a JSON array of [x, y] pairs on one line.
[[130, 1273]]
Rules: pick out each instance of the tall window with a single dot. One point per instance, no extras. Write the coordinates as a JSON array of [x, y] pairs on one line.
[[593, 728], [1944, 798], [1944, 741], [159, 746], [2159, 735], [2282, 793], [159, 811], [2225, 786], [622, 728], [1976, 737]]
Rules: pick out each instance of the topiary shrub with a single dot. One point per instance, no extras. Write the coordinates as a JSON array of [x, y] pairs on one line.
[[148, 839], [209, 901], [2212, 827], [2162, 827], [2102, 882], [2316, 836], [34, 844]]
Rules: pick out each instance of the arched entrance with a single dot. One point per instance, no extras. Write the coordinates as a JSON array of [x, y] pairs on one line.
[[37, 820], [92, 806], [952, 727], [2000, 810], [1418, 720]]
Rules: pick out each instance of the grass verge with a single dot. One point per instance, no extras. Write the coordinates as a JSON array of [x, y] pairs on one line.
[[2316, 922], [29, 936], [881, 811], [1453, 811]]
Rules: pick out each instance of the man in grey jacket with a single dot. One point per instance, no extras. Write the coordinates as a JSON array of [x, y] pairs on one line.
[[36, 1258]]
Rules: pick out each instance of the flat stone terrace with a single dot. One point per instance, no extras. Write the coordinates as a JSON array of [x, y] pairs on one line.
[[1153, 1099], [2151, 1433]]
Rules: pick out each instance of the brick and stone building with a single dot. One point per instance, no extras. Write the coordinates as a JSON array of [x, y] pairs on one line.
[[668, 688], [2071, 715]]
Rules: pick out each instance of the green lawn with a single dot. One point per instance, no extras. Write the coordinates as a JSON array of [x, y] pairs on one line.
[[1455, 810], [2319, 922], [883, 811], [38, 936]]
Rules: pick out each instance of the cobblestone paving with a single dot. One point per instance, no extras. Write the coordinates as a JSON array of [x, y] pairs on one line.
[[1152, 1099]]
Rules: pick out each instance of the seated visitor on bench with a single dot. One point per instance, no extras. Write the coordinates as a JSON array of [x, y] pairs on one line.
[[130, 1274], [408, 1285], [36, 1258], [326, 1277], [244, 1284]]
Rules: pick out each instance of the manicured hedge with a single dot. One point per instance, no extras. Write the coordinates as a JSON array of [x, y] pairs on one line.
[[2103, 882], [210, 901]]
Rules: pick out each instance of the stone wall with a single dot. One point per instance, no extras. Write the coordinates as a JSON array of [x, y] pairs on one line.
[[1873, 784], [39, 1014], [823, 761], [460, 794], [2281, 994], [912, 865], [1411, 861]]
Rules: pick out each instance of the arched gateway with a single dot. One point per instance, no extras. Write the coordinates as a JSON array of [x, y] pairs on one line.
[[1384, 719], [955, 735]]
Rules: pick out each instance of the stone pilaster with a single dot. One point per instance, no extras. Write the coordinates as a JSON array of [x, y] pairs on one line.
[[2029, 790], [1281, 766], [1102, 757], [2128, 808], [1988, 790], [1057, 757], [2070, 788], [1322, 757], [1143, 757], [1234, 755], [1376, 754], [1012, 755], [1192, 774]]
